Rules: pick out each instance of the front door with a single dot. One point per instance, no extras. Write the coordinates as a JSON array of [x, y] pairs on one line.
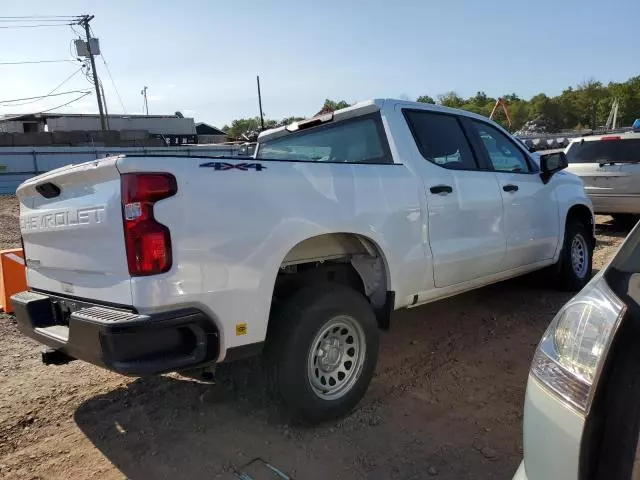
[[530, 207], [465, 218]]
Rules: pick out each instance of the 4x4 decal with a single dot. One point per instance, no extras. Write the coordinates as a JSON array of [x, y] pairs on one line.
[[258, 167]]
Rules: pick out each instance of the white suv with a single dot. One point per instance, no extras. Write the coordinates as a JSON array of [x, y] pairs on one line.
[[609, 166]]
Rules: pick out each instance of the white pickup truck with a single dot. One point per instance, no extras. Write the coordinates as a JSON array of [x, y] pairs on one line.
[[150, 264]]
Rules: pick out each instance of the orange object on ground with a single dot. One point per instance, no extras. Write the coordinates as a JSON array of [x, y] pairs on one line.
[[13, 278]]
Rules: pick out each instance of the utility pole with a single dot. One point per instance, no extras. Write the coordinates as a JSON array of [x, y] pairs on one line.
[[96, 83], [106, 110], [260, 104], [143, 92]]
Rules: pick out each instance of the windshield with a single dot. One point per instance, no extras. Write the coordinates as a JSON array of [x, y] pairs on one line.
[[359, 140], [605, 151]]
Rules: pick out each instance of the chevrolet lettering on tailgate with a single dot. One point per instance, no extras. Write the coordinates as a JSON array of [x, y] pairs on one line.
[[63, 218]]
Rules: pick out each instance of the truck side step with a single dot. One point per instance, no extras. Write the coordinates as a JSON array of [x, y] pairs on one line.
[[55, 357]]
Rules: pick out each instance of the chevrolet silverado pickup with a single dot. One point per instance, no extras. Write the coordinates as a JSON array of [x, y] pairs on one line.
[[300, 253]]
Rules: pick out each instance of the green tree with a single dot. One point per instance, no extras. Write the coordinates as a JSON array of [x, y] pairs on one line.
[[590, 95], [332, 105], [451, 99], [246, 126], [289, 120], [628, 94], [587, 104], [425, 99], [480, 99]]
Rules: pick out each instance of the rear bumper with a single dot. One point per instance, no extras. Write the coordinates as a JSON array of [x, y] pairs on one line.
[[606, 204], [119, 340]]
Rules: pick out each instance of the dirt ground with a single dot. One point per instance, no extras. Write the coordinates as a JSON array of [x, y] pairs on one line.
[[446, 402]]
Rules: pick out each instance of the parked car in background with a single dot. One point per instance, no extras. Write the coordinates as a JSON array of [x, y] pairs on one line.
[[582, 406], [148, 264], [609, 166]]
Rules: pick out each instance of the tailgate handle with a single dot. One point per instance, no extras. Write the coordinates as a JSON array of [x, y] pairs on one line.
[[48, 190]]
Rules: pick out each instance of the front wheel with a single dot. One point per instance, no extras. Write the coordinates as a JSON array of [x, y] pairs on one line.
[[321, 352], [576, 259]]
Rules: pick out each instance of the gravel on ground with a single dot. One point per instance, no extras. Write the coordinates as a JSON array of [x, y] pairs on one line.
[[446, 402]]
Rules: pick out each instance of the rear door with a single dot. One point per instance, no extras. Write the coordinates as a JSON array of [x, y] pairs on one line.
[[71, 224], [608, 166], [465, 217], [530, 206]]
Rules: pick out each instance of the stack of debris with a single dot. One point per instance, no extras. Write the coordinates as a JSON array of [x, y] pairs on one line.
[[537, 126]]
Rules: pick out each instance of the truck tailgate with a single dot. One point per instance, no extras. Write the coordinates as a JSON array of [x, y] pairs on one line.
[[606, 179], [74, 239]]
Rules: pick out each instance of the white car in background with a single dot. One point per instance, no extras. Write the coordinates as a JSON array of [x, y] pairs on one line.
[[582, 406], [609, 166]]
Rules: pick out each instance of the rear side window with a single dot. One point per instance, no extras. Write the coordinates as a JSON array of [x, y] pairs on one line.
[[441, 140], [358, 140], [605, 151]]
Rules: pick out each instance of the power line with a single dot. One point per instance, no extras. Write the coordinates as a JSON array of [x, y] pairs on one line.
[[49, 94], [65, 81], [31, 17], [31, 20], [124, 109], [27, 62], [68, 103], [41, 96], [76, 32], [35, 26], [48, 109]]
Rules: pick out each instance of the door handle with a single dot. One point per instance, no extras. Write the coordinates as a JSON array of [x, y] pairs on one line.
[[510, 188], [441, 189]]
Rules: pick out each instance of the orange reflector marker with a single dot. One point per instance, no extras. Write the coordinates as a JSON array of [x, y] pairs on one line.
[[12, 276]]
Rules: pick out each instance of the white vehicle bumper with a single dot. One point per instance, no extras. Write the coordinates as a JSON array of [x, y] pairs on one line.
[[552, 434], [615, 203], [520, 473]]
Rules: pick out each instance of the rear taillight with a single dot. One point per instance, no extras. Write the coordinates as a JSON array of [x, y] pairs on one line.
[[611, 137], [147, 241]]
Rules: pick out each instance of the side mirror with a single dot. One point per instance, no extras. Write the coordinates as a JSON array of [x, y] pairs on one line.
[[552, 163]]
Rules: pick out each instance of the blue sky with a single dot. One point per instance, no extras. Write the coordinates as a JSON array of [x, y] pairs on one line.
[[201, 57]]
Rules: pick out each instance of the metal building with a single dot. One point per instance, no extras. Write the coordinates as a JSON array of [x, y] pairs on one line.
[[175, 130]]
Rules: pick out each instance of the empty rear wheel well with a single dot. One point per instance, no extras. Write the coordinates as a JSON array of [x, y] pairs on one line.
[[343, 258]]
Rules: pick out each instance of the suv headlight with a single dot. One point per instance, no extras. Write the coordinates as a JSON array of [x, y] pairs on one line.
[[569, 358]]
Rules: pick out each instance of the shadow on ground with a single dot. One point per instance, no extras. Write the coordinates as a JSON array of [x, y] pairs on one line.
[[611, 228], [174, 427], [447, 398]]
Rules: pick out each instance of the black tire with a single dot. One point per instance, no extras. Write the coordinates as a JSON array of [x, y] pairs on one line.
[[567, 278], [292, 331]]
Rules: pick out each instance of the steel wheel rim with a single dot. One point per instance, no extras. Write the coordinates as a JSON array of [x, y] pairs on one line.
[[579, 255], [336, 357]]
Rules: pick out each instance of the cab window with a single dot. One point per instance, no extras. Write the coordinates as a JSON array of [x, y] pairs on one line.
[[441, 140], [503, 153]]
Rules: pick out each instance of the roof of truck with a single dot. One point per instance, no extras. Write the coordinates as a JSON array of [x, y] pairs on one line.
[[362, 108]]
